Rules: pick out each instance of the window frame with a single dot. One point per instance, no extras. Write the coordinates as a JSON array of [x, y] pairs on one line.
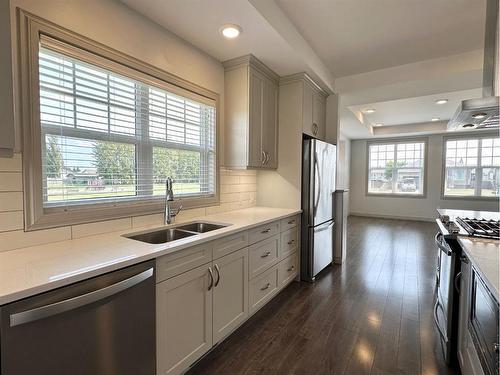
[[478, 134], [31, 30], [396, 141]]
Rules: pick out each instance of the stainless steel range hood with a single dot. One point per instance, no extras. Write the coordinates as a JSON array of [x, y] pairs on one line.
[[483, 113]]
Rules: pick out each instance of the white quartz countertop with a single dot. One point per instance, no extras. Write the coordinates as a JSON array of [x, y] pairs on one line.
[[32, 270], [485, 257]]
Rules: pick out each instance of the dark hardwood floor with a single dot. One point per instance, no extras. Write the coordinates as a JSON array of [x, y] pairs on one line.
[[373, 315]]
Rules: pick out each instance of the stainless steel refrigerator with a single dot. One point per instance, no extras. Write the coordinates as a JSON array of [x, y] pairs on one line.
[[318, 187]]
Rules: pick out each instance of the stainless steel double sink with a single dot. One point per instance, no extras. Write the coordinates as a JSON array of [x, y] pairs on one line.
[[178, 232]]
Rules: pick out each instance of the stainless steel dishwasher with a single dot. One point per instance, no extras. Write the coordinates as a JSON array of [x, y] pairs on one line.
[[103, 325]]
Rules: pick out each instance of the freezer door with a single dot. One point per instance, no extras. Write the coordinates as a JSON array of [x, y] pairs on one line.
[[322, 246], [323, 158]]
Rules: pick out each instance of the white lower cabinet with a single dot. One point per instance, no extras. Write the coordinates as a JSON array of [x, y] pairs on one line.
[[183, 320], [230, 293], [199, 307], [263, 288], [288, 269]]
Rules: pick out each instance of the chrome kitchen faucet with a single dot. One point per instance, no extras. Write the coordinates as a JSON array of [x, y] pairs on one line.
[[169, 197]]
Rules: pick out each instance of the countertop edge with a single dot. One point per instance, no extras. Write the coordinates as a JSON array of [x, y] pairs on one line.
[[495, 290], [205, 237]]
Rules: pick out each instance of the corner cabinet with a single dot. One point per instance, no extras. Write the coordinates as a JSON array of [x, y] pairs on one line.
[[251, 114], [313, 103]]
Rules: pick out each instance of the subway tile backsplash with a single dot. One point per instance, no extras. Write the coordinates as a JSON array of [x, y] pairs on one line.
[[238, 189]]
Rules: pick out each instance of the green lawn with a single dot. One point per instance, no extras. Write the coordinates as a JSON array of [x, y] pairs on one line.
[[59, 191]]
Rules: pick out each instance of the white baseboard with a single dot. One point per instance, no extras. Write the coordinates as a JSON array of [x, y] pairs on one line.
[[394, 217]]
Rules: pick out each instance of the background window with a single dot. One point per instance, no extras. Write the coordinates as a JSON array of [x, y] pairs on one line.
[[472, 167], [396, 168], [109, 137]]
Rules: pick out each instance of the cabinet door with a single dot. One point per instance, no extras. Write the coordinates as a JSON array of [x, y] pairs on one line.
[[307, 109], [270, 125], [230, 293], [183, 320], [256, 118], [319, 116]]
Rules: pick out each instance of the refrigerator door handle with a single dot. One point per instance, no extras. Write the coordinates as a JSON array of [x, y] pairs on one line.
[[323, 227], [318, 198]]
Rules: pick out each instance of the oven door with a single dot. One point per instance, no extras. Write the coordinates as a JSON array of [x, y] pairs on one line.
[[483, 325]]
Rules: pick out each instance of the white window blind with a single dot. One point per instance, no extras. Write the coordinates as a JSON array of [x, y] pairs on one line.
[[472, 167], [108, 136], [396, 168]]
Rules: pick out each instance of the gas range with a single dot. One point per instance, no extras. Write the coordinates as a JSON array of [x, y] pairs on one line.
[[483, 224]]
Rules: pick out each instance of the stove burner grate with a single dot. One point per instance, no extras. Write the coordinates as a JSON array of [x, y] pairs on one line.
[[481, 227]]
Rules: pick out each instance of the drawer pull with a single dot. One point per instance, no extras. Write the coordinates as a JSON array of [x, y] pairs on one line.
[[291, 269], [291, 222], [266, 286], [291, 242], [266, 254], [266, 231]]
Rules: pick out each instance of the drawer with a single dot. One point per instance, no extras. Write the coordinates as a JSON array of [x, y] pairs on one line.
[[184, 260], [288, 269], [289, 242], [228, 244], [289, 222], [262, 232], [263, 288], [263, 255]]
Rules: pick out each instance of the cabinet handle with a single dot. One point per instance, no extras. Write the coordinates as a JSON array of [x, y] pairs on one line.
[[290, 269], [268, 157], [218, 275], [266, 254], [211, 274], [291, 242], [291, 222], [315, 128], [266, 231], [266, 286], [263, 157]]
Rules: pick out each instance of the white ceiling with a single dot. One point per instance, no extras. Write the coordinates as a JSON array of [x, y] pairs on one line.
[[414, 110], [199, 22], [354, 36], [392, 54]]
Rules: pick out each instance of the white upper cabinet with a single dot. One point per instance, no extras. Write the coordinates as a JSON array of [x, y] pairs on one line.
[[313, 104], [251, 114]]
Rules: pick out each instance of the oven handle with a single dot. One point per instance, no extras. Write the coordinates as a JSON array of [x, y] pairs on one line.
[[78, 301], [440, 330], [439, 244]]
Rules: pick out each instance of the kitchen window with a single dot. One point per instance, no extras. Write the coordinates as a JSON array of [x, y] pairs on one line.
[[472, 167], [396, 168], [107, 130]]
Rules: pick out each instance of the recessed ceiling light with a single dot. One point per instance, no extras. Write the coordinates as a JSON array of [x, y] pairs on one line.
[[377, 125], [435, 119], [369, 110], [231, 31], [479, 116], [441, 101]]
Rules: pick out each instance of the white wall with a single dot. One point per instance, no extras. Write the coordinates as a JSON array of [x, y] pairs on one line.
[[115, 25], [413, 208]]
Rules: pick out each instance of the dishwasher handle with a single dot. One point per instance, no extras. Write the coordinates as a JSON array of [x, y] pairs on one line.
[[78, 301]]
